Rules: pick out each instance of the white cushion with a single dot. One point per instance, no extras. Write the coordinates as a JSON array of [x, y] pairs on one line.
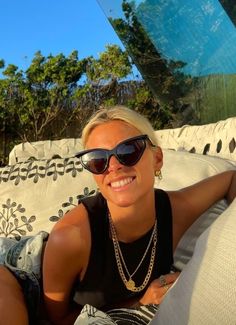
[[205, 291], [182, 169]]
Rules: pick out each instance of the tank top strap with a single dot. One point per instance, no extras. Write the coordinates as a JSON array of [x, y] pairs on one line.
[[165, 230]]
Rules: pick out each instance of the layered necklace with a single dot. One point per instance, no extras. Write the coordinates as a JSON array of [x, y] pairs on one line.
[[121, 265]]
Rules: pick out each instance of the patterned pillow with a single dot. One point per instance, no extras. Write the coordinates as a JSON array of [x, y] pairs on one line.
[[47, 149], [214, 139], [35, 194]]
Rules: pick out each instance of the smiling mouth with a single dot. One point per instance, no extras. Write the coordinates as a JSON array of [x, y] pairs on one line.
[[122, 182]]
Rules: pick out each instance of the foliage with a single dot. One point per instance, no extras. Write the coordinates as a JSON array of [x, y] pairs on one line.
[[113, 64], [105, 75], [56, 94], [164, 76], [145, 103], [34, 99], [149, 61]]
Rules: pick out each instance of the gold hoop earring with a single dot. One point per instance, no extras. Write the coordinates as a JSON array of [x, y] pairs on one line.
[[158, 174]]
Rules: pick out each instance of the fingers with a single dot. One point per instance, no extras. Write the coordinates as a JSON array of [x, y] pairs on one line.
[[164, 284], [166, 288], [167, 280], [158, 288], [162, 281]]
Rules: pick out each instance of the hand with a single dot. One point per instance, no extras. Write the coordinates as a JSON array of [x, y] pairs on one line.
[[158, 288]]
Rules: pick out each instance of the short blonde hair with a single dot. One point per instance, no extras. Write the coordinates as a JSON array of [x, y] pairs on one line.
[[120, 113]]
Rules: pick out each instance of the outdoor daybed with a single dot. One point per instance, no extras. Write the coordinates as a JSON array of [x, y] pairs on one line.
[[35, 193]]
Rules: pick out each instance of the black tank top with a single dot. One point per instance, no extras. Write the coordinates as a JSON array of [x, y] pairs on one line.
[[102, 284]]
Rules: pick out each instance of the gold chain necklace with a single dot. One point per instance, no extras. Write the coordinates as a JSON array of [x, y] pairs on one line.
[[130, 284]]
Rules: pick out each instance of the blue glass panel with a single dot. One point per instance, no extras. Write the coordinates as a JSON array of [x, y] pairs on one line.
[[185, 50]]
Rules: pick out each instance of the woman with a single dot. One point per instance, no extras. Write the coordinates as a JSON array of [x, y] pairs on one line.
[[116, 248]]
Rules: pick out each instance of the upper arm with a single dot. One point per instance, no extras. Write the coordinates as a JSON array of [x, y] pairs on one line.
[[65, 259], [189, 203]]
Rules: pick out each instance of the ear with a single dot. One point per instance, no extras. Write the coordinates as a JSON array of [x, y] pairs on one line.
[[158, 158]]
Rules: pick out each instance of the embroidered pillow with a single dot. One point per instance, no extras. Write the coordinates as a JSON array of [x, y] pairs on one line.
[[35, 194]]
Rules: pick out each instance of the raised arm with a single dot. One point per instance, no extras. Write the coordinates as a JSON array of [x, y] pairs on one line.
[[65, 258], [189, 203]]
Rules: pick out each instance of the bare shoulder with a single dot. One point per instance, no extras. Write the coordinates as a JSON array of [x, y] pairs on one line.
[[72, 232], [75, 217], [65, 260]]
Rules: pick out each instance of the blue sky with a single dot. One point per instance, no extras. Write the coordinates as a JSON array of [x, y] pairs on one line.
[[52, 26]]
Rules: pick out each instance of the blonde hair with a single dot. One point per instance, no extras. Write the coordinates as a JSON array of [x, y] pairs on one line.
[[120, 113]]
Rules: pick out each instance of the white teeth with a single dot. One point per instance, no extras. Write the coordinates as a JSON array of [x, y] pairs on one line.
[[122, 182]]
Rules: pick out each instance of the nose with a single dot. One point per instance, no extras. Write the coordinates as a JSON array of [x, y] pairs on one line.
[[114, 164]]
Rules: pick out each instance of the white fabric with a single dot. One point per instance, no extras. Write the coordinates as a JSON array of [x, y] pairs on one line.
[[220, 137], [205, 292], [184, 138], [182, 168], [45, 149]]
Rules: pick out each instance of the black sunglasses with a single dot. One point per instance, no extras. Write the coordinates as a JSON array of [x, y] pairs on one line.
[[127, 152]]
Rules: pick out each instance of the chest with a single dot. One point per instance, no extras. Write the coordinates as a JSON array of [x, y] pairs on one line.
[[108, 270]]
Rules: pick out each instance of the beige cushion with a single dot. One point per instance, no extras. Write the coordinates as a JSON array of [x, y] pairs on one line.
[[205, 292]]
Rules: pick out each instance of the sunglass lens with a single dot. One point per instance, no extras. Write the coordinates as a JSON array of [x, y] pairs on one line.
[[95, 162], [130, 152]]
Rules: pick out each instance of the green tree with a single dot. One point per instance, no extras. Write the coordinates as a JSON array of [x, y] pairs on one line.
[[55, 95], [44, 93], [112, 64], [8, 102], [105, 74], [110, 81], [164, 76]]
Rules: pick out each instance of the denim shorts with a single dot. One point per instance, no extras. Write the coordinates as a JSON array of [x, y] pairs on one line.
[[23, 258]]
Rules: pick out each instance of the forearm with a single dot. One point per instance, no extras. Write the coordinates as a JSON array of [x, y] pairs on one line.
[[200, 196]]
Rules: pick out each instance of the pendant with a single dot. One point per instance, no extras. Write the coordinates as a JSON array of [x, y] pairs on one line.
[[130, 285]]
